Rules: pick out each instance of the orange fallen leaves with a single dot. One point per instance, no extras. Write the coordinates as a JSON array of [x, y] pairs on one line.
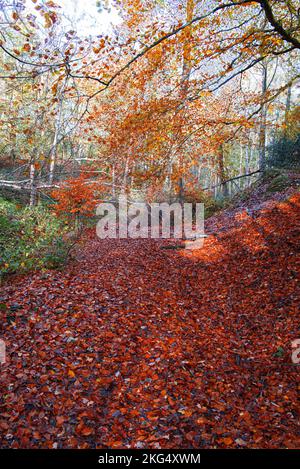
[[193, 368]]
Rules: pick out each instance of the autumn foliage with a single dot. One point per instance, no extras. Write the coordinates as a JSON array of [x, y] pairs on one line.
[[76, 197], [135, 346], [139, 343]]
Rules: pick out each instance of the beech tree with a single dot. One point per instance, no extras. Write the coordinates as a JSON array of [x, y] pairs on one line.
[[158, 100]]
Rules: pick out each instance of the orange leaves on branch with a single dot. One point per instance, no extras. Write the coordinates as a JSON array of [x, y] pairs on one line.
[[98, 48], [76, 197], [54, 88], [247, 4]]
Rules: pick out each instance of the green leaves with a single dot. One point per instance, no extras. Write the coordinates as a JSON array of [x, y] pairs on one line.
[[30, 238]]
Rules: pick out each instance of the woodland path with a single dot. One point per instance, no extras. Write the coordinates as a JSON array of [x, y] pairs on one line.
[[137, 346]]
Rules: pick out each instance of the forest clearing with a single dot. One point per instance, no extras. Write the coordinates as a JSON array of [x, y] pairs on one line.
[[111, 339]]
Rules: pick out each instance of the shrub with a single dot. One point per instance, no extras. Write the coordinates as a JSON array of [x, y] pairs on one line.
[[30, 238], [211, 205], [76, 199], [284, 153], [278, 184]]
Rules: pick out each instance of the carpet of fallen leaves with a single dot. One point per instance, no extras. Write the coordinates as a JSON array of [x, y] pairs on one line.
[[135, 346]]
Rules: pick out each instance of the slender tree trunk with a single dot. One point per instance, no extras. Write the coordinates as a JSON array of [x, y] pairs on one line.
[[53, 152], [181, 190], [288, 101], [125, 176], [169, 178], [216, 182], [185, 77], [263, 117], [13, 155], [221, 170], [287, 109], [186, 67], [33, 189], [241, 166], [247, 159], [199, 175], [113, 176]]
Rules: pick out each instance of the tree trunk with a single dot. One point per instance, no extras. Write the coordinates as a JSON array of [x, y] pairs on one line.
[[181, 190], [263, 117], [185, 77], [241, 166], [221, 170], [33, 190], [125, 176], [287, 109], [247, 160], [53, 151], [113, 177]]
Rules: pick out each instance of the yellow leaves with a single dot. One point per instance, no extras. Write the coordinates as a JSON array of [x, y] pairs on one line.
[[50, 19], [271, 107], [99, 47], [156, 54], [71, 374], [48, 22], [277, 41], [204, 93], [51, 4], [187, 53], [247, 4]]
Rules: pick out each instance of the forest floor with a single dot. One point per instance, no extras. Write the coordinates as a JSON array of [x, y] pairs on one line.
[[134, 346]]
